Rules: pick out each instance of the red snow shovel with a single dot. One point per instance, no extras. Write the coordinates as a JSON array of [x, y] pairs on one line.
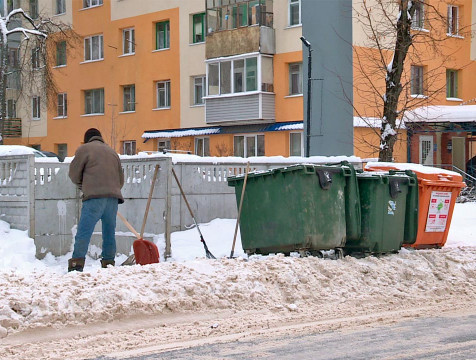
[[145, 252]]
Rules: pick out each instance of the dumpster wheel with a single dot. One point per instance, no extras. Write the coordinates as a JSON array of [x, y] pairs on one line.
[[339, 253], [317, 253]]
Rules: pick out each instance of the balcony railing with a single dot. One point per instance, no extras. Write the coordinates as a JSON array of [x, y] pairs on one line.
[[233, 14], [12, 128]]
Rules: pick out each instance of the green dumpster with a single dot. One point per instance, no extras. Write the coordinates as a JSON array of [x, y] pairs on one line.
[[412, 206], [297, 208], [387, 208]]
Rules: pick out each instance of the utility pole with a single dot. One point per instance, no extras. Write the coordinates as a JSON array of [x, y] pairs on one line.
[[309, 89]]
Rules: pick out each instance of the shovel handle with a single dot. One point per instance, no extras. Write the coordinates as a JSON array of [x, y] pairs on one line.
[[239, 209], [129, 226], [148, 200]]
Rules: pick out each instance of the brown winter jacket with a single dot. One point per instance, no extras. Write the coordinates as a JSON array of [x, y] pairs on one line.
[[96, 170]]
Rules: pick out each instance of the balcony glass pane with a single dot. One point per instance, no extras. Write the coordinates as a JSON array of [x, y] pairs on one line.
[[225, 77], [251, 74], [239, 75], [238, 146], [250, 146], [213, 85], [267, 74]]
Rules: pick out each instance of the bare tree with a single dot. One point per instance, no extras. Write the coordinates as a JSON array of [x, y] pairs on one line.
[[399, 33], [34, 36]]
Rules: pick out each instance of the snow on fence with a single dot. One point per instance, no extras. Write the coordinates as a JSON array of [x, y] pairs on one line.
[[40, 198]]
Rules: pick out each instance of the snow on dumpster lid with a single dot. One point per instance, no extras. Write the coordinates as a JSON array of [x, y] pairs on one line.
[[410, 166]]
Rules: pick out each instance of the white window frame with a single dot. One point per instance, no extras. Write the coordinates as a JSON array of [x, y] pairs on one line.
[[419, 10], [15, 4], [132, 98], [101, 101], [62, 106], [165, 142], [203, 84], [300, 78], [128, 36], [60, 7], [205, 145], [65, 52], [36, 108], [13, 58], [245, 143], [132, 144], [35, 58], [232, 59], [420, 78], [11, 109], [33, 7], [291, 145], [452, 92], [451, 31], [88, 48], [167, 95], [87, 4], [292, 3]]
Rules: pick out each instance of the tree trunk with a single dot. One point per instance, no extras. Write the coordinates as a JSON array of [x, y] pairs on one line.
[[393, 86]]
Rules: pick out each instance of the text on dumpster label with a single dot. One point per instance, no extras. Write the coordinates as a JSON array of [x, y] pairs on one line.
[[438, 211]]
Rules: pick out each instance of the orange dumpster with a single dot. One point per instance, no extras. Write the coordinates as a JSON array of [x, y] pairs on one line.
[[438, 190]]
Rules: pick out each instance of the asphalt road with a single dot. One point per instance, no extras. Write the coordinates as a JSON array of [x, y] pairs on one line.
[[448, 337]]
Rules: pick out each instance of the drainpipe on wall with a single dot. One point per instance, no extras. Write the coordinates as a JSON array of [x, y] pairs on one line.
[[438, 147], [409, 144]]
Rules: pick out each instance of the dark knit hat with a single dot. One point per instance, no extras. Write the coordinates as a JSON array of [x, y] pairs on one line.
[[90, 133]]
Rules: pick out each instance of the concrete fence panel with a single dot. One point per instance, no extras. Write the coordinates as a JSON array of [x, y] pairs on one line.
[[17, 192], [40, 197]]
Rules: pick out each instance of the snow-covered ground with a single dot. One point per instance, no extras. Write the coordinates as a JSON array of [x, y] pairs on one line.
[[41, 294]]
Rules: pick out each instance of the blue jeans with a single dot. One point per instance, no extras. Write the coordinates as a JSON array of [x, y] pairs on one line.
[[93, 210]]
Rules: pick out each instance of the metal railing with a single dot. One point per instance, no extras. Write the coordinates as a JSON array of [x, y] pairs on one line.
[[467, 178], [234, 14]]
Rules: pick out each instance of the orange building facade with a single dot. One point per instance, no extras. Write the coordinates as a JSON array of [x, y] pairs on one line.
[[221, 81]]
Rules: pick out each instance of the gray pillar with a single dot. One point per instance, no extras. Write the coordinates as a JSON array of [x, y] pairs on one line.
[[327, 25]]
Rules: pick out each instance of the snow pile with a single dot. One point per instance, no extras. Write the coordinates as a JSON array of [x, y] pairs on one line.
[[36, 294], [277, 283], [17, 250]]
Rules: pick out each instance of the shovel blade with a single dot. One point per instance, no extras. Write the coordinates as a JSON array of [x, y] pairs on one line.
[[146, 252]]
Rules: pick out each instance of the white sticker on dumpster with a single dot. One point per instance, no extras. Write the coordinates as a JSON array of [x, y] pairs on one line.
[[438, 211]]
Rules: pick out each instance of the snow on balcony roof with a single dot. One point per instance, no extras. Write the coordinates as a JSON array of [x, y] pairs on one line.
[[441, 113], [179, 133], [284, 126]]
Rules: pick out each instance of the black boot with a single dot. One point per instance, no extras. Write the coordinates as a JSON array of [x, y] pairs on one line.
[[76, 264], [105, 263]]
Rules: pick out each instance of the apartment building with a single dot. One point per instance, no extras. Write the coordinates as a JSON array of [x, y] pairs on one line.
[[215, 77], [23, 97]]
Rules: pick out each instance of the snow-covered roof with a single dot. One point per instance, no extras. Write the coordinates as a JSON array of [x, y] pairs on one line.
[[285, 126], [441, 113], [371, 122], [179, 133]]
